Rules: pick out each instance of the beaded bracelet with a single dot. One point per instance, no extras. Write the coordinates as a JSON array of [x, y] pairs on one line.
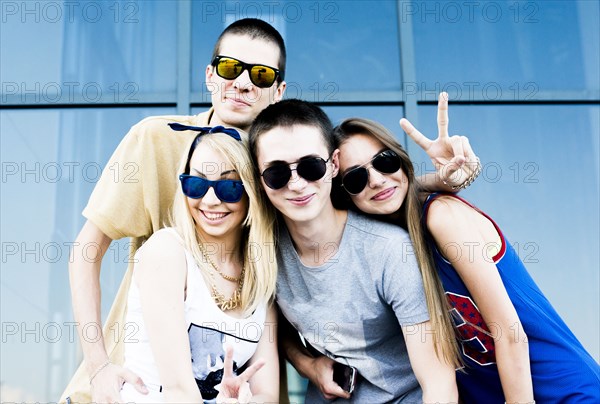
[[105, 364], [468, 181]]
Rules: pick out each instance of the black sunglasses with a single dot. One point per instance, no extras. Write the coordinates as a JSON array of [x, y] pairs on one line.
[[310, 168], [260, 75], [355, 180], [226, 190]]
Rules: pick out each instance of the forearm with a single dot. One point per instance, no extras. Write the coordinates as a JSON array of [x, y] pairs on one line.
[[85, 293], [186, 392], [439, 384], [431, 182], [512, 358], [440, 392], [265, 398], [435, 375], [84, 277], [293, 349], [297, 355]]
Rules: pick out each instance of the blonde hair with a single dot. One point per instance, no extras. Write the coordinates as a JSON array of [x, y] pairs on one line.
[[257, 244], [410, 216]]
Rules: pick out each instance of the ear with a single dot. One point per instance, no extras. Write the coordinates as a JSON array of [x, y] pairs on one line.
[[335, 161], [279, 91], [209, 73]]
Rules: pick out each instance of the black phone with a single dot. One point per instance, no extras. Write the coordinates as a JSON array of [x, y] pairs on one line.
[[344, 376]]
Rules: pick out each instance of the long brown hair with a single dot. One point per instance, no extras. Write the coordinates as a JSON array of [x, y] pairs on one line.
[[409, 216]]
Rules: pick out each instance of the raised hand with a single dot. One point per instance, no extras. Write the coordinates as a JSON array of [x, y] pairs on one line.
[[452, 156], [236, 389]]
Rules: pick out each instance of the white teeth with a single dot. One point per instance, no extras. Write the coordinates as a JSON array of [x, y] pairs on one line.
[[214, 216]]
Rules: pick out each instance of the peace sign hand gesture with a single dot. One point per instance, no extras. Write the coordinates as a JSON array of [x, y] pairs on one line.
[[236, 389], [456, 163]]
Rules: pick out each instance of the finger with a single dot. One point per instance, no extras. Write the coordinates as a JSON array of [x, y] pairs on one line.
[[414, 134], [458, 151], [468, 151], [228, 363], [248, 373], [337, 391], [133, 379], [442, 116], [244, 393]]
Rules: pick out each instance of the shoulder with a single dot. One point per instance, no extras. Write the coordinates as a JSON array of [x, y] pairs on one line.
[[369, 228], [159, 124], [153, 141], [446, 211], [165, 245]]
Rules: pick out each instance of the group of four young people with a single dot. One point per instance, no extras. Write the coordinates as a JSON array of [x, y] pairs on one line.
[[363, 291]]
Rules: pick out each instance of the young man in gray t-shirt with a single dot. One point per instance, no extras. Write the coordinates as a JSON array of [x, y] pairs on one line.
[[349, 284]]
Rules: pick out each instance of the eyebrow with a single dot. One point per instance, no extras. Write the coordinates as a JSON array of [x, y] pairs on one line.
[[223, 173], [308, 156], [362, 165]]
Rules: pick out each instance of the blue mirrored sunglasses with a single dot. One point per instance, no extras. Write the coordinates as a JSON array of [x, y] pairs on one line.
[[229, 191]]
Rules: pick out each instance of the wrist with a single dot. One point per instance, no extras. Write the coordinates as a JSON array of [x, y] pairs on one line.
[[468, 181], [99, 369], [305, 367], [94, 361]]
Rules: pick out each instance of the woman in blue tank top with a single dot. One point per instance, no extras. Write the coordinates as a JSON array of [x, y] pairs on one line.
[[514, 346]]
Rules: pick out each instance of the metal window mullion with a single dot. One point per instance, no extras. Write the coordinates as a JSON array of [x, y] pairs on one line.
[[184, 49], [407, 68]]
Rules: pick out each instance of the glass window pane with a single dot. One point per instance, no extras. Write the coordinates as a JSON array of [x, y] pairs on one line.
[[540, 182], [87, 51], [51, 160], [520, 47], [333, 48], [388, 116]]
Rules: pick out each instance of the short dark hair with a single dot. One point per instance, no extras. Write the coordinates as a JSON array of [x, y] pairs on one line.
[[288, 113], [255, 29]]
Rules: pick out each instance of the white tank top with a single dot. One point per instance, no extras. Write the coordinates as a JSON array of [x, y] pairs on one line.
[[209, 330]]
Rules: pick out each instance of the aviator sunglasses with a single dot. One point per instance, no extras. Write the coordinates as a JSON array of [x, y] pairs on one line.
[[228, 191], [260, 75], [355, 180], [310, 168]]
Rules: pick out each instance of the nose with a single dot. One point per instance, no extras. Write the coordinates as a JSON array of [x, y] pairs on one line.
[[296, 182], [243, 82], [376, 179], [210, 198]]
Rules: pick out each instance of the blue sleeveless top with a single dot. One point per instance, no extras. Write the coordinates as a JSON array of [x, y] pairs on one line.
[[562, 371]]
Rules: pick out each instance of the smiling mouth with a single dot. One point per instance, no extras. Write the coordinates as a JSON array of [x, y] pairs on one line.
[[385, 194], [301, 199], [214, 215], [238, 101]]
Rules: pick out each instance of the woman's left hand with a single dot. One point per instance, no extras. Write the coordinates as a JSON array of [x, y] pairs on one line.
[[236, 389]]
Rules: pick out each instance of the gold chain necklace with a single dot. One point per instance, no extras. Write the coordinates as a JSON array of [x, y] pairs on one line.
[[212, 264], [235, 300]]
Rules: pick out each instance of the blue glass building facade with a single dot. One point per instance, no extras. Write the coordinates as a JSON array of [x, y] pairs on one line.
[[524, 84]]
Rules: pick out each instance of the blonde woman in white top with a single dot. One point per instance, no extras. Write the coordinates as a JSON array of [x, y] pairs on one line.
[[201, 296]]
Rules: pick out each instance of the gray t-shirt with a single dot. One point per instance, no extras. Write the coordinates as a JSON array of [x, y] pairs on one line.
[[351, 308]]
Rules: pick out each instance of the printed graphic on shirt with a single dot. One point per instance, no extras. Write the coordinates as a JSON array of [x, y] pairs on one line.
[[475, 338], [208, 356]]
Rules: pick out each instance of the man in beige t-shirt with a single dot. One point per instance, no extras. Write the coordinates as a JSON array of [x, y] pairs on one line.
[[135, 200]]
